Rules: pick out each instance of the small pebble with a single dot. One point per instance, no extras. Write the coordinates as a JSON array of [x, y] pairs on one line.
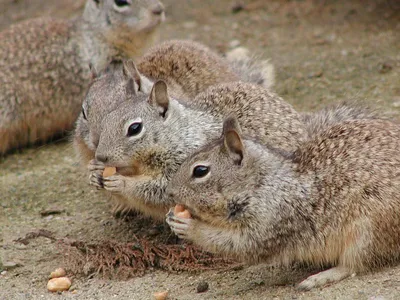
[[385, 67], [51, 211], [202, 286], [237, 7]]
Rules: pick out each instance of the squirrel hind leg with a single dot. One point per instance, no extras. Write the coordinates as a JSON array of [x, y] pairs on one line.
[[331, 275]]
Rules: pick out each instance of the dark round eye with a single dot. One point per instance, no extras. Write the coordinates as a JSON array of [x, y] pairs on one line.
[[83, 113], [122, 2], [135, 129], [200, 171]]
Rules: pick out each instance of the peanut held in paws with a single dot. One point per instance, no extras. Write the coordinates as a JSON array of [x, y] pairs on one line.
[[109, 171], [181, 212], [178, 208]]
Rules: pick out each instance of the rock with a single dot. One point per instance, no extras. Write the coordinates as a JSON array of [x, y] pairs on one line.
[[237, 7], [385, 67], [202, 286], [51, 211], [9, 265]]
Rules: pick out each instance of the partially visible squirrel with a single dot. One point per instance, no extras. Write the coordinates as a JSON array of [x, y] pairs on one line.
[[187, 67], [44, 64], [150, 136], [334, 202]]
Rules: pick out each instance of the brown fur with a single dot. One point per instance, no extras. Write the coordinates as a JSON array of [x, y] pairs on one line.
[[188, 68], [44, 70], [168, 138], [335, 201]]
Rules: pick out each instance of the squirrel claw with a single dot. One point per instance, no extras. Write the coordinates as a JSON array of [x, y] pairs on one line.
[[95, 165], [114, 183], [170, 213], [179, 226], [96, 180]]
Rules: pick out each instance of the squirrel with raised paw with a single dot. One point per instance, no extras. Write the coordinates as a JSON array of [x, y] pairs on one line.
[[334, 202]]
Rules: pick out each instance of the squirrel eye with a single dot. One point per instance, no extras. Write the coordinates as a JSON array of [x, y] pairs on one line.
[[122, 2], [134, 129], [200, 171], [83, 113]]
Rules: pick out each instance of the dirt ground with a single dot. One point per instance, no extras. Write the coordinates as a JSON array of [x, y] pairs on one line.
[[323, 51]]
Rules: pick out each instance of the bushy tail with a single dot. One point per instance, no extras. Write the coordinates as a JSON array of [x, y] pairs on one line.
[[321, 120], [250, 68]]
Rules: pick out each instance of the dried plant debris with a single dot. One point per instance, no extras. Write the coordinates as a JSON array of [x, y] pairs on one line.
[[124, 260], [35, 234]]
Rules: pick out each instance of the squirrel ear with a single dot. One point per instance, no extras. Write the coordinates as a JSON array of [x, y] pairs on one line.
[[130, 71], [231, 123], [232, 140], [159, 97]]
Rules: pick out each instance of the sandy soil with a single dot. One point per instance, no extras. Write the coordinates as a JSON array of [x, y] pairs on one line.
[[324, 51]]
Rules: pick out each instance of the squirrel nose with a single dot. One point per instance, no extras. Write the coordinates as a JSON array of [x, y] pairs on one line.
[[101, 157], [158, 9]]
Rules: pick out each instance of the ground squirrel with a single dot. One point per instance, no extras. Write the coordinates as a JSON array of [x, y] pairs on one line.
[[44, 64], [187, 67], [154, 134], [334, 202]]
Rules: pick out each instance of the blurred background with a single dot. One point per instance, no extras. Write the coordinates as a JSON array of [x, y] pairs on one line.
[[323, 50]]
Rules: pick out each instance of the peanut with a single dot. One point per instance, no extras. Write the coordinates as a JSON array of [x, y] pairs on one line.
[[178, 208], [109, 171], [59, 284], [59, 272], [184, 214]]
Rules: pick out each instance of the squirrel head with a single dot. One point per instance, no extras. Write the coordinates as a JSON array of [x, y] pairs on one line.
[[112, 86], [123, 16], [141, 129], [209, 179]]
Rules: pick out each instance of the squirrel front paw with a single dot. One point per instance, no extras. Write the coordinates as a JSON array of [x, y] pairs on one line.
[[96, 169], [180, 225], [95, 165], [115, 183]]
